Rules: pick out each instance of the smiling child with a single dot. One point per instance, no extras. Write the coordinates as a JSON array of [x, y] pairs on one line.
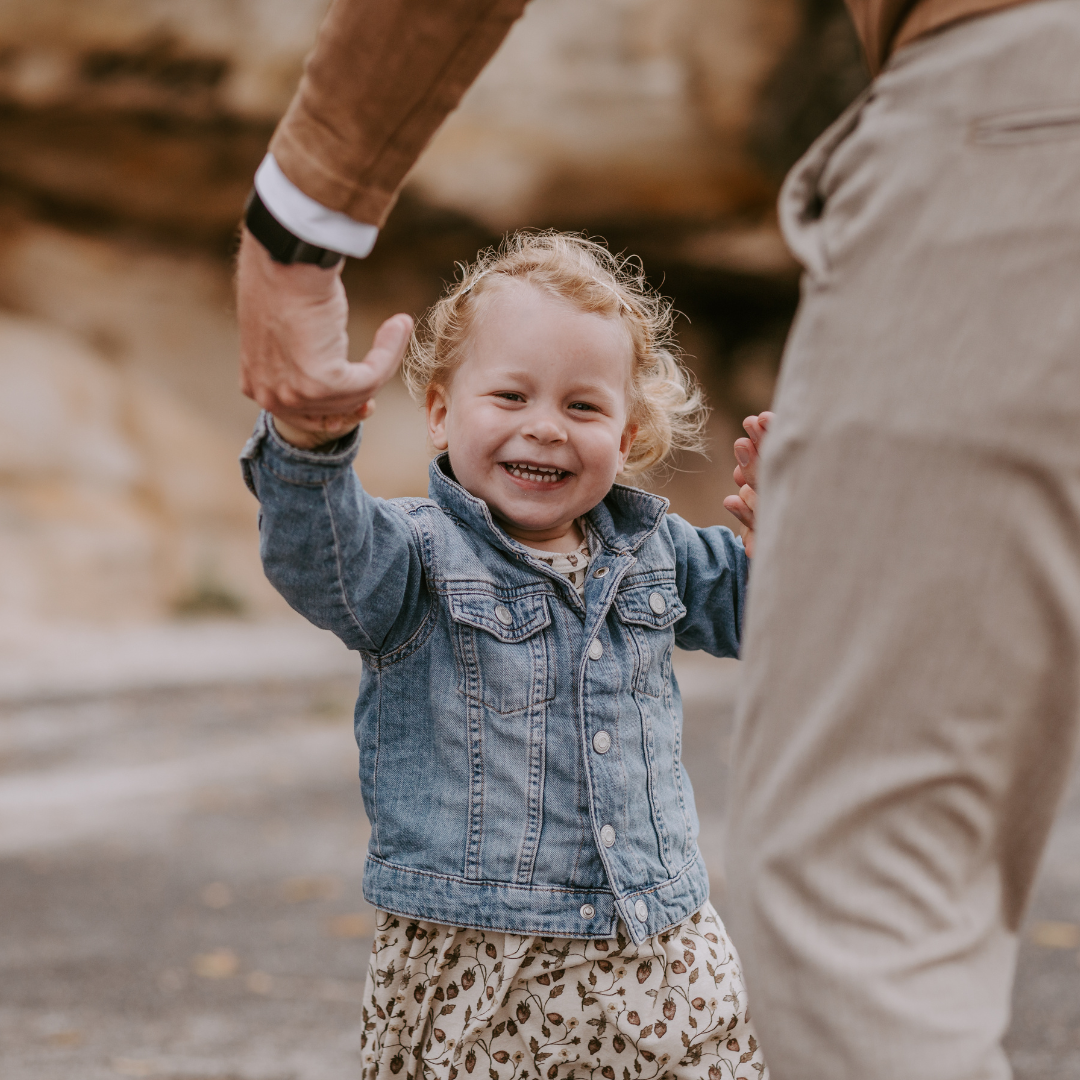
[[543, 905]]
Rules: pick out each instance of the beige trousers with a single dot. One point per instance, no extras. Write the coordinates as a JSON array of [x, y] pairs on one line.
[[912, 658]]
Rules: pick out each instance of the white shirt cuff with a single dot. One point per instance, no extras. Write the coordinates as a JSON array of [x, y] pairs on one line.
[[309, 220]]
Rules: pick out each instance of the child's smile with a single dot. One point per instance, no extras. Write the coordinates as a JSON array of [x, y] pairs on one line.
[[529, 473], [536, 418]]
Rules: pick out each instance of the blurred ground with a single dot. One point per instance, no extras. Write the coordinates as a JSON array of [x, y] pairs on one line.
[[180, 877]]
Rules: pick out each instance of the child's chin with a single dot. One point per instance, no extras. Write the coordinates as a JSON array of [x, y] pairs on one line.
[[532, 522], [535, 524]]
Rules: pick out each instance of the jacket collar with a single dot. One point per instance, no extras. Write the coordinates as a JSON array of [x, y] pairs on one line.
[[625, 519]]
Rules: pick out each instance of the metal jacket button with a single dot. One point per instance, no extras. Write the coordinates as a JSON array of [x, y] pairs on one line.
[[641, 910], [600, 571], [587, 911], [596, 649], [601, 742], [657, 603], [607, 836], [503, 615]]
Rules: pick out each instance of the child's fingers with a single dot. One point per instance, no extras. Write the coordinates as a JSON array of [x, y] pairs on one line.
[[757, 426], [737, 506], [746, 454], [747, 451]]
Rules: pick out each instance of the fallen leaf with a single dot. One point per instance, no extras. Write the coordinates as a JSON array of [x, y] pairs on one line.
[[219, 964], [357, 924], [66, 1038], [134, 1067], [217, 895], [298, 890]]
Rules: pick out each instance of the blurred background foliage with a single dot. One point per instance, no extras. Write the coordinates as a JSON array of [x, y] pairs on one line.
[[131, 130]]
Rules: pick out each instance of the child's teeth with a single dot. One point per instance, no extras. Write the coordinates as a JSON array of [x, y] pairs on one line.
[[538, 473]]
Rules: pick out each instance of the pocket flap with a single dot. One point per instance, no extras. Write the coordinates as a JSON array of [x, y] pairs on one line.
[[654, 604], [506, 618], [1032, 125]]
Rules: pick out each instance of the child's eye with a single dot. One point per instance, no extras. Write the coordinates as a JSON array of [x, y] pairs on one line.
[[509, 395], [583, 406]]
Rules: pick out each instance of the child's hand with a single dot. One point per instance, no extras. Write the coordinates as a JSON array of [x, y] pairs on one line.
[[310, 430], [747, 452]]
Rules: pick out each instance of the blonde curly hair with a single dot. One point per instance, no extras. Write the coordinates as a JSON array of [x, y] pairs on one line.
[[666, 403]]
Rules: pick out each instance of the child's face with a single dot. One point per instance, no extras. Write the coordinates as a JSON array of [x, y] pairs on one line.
[[536, 415]]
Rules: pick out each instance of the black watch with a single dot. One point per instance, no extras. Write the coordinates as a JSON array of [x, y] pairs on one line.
[[284, 246]]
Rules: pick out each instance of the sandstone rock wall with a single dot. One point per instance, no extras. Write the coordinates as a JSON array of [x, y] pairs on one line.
[[131, 130], [116, 501], [158, 110]]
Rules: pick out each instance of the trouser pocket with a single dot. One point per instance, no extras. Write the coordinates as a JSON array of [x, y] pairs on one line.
[[1047, 124], [801, 203]]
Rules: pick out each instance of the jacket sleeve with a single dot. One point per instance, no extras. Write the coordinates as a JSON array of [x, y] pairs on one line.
[[382, 77], [711, 571], [345, 560]]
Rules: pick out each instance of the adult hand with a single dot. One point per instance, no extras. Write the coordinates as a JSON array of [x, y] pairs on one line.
[[294, 347], [747, 454]]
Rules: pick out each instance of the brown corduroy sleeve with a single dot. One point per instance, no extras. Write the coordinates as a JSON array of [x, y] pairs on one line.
[[876, 21], [382, 77]]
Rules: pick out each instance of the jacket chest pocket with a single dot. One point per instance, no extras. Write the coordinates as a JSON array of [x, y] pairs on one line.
[[501, 649], [649, 613]]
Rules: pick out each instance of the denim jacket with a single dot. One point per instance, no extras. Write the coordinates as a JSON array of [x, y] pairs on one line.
[[520, 750]]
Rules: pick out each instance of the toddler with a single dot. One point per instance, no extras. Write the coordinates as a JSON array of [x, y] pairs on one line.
[[542, 904]]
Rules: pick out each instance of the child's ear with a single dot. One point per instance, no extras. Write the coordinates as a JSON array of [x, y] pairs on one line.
[[438, 405], [629, 434]]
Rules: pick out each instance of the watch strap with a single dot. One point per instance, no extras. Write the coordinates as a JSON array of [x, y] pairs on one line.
[[284, 246]]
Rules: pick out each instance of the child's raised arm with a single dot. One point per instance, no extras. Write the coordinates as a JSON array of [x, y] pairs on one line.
[[747, 453], [347, 561]]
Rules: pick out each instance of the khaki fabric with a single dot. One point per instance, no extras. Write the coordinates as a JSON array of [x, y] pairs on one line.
[[934, 14], [887, 25], [912, 651]]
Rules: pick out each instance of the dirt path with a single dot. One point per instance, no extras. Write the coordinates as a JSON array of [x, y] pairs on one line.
[[180, 886]]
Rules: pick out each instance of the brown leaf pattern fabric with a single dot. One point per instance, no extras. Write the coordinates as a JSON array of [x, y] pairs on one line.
[[445, 1003], [573, 565]]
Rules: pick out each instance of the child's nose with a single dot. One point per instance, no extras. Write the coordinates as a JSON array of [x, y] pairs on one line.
[[545, 429]]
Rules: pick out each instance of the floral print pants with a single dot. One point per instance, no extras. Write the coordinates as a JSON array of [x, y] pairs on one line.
[[442, 1001]]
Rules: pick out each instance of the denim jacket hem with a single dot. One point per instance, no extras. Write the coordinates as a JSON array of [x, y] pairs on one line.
[[551, 911]]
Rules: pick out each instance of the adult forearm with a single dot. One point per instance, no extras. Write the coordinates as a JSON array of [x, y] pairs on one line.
[[294, 346], [382, 77]]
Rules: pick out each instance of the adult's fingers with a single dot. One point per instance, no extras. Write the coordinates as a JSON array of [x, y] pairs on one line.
[[294, 341], [386, 353], [340, 387]]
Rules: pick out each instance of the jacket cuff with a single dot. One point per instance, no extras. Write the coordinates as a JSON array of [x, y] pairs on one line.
[[308, 219], [310, 468]]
